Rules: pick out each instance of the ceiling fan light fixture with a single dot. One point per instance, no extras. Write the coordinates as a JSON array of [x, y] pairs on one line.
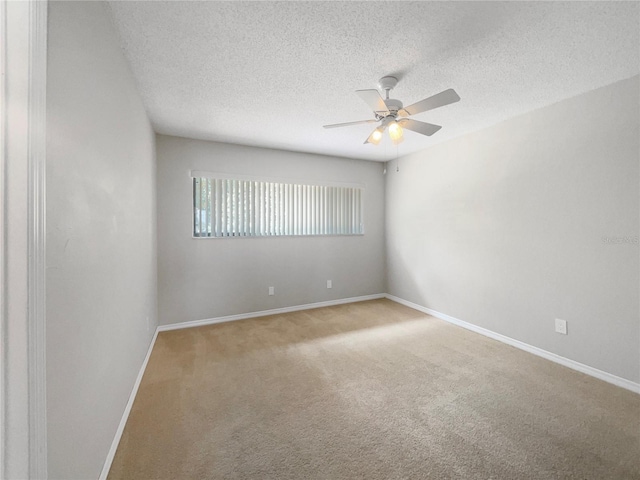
[[398, 141], [375, 136], [395, 132]]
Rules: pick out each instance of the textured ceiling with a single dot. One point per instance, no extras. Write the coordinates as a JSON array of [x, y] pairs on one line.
[[270, 74]]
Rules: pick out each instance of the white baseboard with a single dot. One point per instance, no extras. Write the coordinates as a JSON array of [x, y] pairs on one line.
[[580, 367], [125, 416], [264, 313]]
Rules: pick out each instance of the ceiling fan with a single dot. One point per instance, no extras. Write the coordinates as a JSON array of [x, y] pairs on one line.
[[387, 111]]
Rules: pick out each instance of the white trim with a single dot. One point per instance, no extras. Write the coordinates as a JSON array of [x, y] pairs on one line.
[[264, 178], [36, 235], [264, 313], [23, 58], [127, 410], [580, 367], [3, 190]]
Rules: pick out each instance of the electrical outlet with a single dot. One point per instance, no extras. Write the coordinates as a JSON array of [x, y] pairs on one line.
[[272, 291], [561, 326], [329, 284]]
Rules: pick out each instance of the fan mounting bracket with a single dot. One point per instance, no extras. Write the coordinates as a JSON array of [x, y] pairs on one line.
[[387, 83]]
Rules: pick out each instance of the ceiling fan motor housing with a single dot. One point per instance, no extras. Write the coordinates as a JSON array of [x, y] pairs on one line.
[[393, 105]]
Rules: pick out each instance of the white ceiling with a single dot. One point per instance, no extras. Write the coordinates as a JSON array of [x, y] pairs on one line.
[[270, 74]]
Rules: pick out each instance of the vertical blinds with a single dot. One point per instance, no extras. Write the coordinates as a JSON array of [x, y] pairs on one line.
[[249, 208]]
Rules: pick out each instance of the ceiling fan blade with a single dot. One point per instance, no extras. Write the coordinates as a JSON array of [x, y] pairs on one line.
[[438, 100], [374, 100], [349, 123], [419, 127]]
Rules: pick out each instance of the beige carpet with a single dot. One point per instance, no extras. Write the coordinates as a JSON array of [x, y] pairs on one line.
[[370, 390]]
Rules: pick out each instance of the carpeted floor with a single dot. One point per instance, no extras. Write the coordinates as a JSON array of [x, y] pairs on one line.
[[370, 390]]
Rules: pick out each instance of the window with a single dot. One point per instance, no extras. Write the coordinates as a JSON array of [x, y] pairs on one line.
[[236, 207]]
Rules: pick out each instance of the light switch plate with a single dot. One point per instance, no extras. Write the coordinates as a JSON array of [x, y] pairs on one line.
[[272, 291]]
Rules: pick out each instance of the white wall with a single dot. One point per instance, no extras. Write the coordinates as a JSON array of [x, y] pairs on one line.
[[504, 227], [101, 237], [205, 278]]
